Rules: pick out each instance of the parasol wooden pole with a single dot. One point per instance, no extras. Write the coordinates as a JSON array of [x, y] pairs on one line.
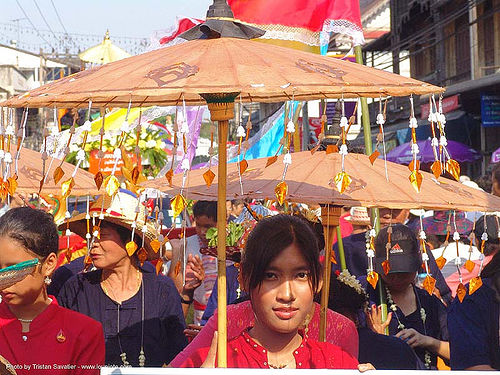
[[340, 243], [330, 216], [365, 118], [221, 107]]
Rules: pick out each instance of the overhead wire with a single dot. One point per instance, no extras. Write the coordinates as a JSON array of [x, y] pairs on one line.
[[44, 20], [31, 23]]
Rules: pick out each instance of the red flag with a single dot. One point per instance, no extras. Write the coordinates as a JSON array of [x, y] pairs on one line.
[[183, 24], [339, 16]]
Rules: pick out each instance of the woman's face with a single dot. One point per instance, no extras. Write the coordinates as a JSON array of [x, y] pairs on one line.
[[30, 289], [285, 297], [108, 250], [399, 282]]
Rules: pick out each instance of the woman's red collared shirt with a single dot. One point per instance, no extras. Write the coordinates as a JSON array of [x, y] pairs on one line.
[[244, 352], [60, 341]]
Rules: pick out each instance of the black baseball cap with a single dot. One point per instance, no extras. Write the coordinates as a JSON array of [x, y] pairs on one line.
[[404, 253], [492, 228]]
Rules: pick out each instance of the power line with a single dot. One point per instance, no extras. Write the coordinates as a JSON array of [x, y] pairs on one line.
[[43, 18], [58, 17], [29, 20]]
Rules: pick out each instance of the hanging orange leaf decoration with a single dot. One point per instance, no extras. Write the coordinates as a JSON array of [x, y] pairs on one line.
[[469, 265], [169, 176], [88, 260], [177, 269], [66, 187], [332, 258], [436, 169], [208, 176], [416, 180], [411, 168], [372, 279], [243, 165], [429, 284], [281, 190], [98, 178], [461, 292], [131, 247], [134, 176], [271, 160], [315, 148], [58, 174], [374, 156], [68, 255], [4, 191], [441, 261], [386, 266], [142, 255], [159, 266], [178, 204], [474, 284], [453, 168], [331, 149], [342, 181], [155, 245], [111, 184], [12, 184]]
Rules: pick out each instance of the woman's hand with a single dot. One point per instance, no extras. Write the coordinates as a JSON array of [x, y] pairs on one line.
[[192, 330], [195, 273], [212, 353], [374, 320], [413, 338]]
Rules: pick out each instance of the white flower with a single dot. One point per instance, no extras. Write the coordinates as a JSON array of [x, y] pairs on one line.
[[80, 155], [413, 123], [9, 130], [343, 150], [125, 127], [344, 123], [414, 148], [290, 127], [380, 119], [481, 257], [151, 143], [432, 117], [434, 142], [68, 232], [456, 236], [484, 236], [87, 126], [117, 153], [67, 215], [87, 236], [8, 157], [240, 132], [185, 164], [370, 253], [287, 159], [73, 147], [422, 235], [441, 118], [393, 307], [458, 261], [134, 224], [350, 280], [373, 233], [425, 257], [442, 141]]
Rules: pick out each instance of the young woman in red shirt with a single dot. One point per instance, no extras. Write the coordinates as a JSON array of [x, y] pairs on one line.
[[37, 336], [281, 271]]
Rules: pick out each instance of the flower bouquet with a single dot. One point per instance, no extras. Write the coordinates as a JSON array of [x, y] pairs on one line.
[[236, 236]]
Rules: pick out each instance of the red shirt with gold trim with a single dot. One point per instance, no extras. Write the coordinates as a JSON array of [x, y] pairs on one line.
[[244, 352], [59, 341]]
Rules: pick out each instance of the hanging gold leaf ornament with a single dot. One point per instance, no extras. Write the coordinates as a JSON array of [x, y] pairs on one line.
[[436, 169], [474, 284], [131, 247], [142, 255], [331, 149], [66, 187], [461, 292], [416, 180], [208, 176], [342, 181], [441, 261], [58, 174], [281, 190], [453, 168], [375, 154], [386, 266], [243, 165], [178, 204], [12, 184], [429, 284], [169, 175], [98, 178], [155, 245], [271, 160], [469, 265], [111, 184], [372, 279], [135, 175]]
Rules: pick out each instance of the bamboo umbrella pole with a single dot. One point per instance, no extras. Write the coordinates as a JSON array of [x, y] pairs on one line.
[[221, 107], [340, 243], [330, 219]]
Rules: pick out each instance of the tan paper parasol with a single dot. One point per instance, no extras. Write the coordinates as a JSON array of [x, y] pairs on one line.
[[103, 53], [309, 178]]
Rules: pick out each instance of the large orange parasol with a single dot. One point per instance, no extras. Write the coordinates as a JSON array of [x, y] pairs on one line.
[[216, 68], [30, 175], [309, 180]]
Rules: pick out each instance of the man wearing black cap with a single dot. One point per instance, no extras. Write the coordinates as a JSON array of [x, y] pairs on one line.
[[418, 317], [474, 323]]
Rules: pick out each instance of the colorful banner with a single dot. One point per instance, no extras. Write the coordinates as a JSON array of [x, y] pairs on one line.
[[194, 116]]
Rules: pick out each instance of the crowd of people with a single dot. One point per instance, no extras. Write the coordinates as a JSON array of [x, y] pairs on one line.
[[118, 308]]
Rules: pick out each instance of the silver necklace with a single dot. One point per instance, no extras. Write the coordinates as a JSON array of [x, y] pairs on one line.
[[123, 355]]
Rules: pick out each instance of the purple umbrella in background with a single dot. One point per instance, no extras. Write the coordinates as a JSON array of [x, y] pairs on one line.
[[458, 151]]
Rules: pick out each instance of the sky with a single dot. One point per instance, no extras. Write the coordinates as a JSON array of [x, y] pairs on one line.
[[124, 18]]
